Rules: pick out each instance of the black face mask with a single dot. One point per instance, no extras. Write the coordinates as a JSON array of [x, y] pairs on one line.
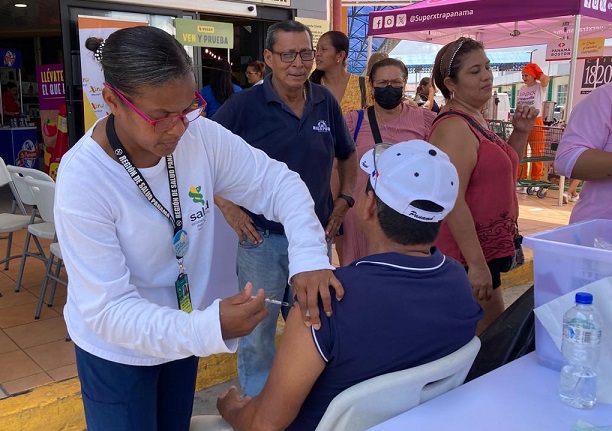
[[388, 97]]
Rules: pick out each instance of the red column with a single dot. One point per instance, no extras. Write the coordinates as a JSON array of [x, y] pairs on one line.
[[337, 15]]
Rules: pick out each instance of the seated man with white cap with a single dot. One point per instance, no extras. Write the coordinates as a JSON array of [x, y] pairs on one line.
[[406, 303]]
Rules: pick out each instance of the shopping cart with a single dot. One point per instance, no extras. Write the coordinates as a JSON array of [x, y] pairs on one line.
[[554, 178], [543, 143], [501, 128]]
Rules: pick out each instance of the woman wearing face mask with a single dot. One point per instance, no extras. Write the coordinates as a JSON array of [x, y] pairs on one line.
[[397, 121]]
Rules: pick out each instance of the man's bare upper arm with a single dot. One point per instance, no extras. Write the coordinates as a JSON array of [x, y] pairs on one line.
[[297, 365]]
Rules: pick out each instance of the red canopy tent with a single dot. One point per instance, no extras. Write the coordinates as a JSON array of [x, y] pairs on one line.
[[498, 24]]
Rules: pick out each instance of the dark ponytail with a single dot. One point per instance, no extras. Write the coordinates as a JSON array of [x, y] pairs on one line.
[[221, 80], [93, 43], [316, 76]]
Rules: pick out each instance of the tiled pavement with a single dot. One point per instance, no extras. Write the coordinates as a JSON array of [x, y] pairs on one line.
[[32, 352]]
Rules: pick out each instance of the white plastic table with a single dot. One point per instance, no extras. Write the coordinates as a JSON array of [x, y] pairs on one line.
[[520, 396]]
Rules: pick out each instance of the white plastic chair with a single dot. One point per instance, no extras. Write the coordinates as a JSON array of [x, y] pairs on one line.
[[209, 423], [43, 192], [12, 222], [42, 230], [53, 274], [380, 398]]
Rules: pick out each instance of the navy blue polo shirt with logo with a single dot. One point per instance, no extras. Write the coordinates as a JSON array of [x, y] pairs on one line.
[[399, 312], [307, 145]]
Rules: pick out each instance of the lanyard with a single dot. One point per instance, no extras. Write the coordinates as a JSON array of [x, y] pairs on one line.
[[177, 220]]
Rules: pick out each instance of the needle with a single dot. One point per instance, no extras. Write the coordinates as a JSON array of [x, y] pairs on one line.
[[274, 301]]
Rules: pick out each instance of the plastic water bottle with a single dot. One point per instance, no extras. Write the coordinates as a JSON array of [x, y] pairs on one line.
[[580, 348]]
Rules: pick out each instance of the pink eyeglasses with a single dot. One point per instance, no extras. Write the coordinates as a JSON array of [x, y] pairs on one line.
[[166, 123]]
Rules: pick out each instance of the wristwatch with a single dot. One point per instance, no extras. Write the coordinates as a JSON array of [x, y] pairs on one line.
[[349, 200]]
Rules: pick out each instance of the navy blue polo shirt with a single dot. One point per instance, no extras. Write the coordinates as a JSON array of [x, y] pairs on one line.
[[398, 312], [307, 145]]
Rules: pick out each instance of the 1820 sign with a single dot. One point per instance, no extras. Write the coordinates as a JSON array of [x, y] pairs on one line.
[[597, 72]]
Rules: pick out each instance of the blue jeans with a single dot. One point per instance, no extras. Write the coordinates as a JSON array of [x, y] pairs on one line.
[[122, 397], [266, 265]]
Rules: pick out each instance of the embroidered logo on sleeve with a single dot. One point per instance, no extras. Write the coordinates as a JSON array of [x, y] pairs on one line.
[[321, 127]]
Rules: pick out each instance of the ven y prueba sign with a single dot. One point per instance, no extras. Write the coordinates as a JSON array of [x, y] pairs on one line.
[[207, 34]]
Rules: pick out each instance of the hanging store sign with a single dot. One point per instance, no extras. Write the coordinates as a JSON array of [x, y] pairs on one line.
[[51, 90], [207, 34], [591, 48], [587, 48], [592, 73], [10, 58]]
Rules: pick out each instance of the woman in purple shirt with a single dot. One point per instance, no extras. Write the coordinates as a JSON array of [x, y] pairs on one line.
[[585, 152]]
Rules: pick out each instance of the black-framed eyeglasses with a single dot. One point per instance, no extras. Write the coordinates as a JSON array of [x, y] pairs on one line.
[[378, 150], [290, 56]]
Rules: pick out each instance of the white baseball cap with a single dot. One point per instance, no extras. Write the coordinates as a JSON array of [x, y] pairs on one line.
[[412, 171]]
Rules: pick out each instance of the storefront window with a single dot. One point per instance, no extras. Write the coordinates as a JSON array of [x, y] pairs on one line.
[[76, 92], [164, 22], [561, 94]]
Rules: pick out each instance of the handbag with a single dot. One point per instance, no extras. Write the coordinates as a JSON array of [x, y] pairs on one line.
[[518, 258]]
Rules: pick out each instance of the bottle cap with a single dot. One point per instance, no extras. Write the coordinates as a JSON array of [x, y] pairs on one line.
[[584, 298]]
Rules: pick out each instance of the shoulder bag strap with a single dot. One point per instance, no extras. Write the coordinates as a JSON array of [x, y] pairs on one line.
[[374, 125], [469, 119], [362, 87], [358, 125], [489, 134]]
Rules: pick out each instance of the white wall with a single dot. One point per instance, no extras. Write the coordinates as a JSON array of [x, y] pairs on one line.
[[316, 9]]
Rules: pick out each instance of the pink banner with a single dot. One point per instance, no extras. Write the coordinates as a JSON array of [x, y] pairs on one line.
[[52, 98], [51, 93]]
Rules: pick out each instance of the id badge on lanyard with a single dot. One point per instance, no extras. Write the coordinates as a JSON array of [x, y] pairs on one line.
[[182, 293], [181, 245], [180, 241]]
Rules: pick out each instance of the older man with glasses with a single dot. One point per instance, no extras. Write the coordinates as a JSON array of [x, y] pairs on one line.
[[300, 124]]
